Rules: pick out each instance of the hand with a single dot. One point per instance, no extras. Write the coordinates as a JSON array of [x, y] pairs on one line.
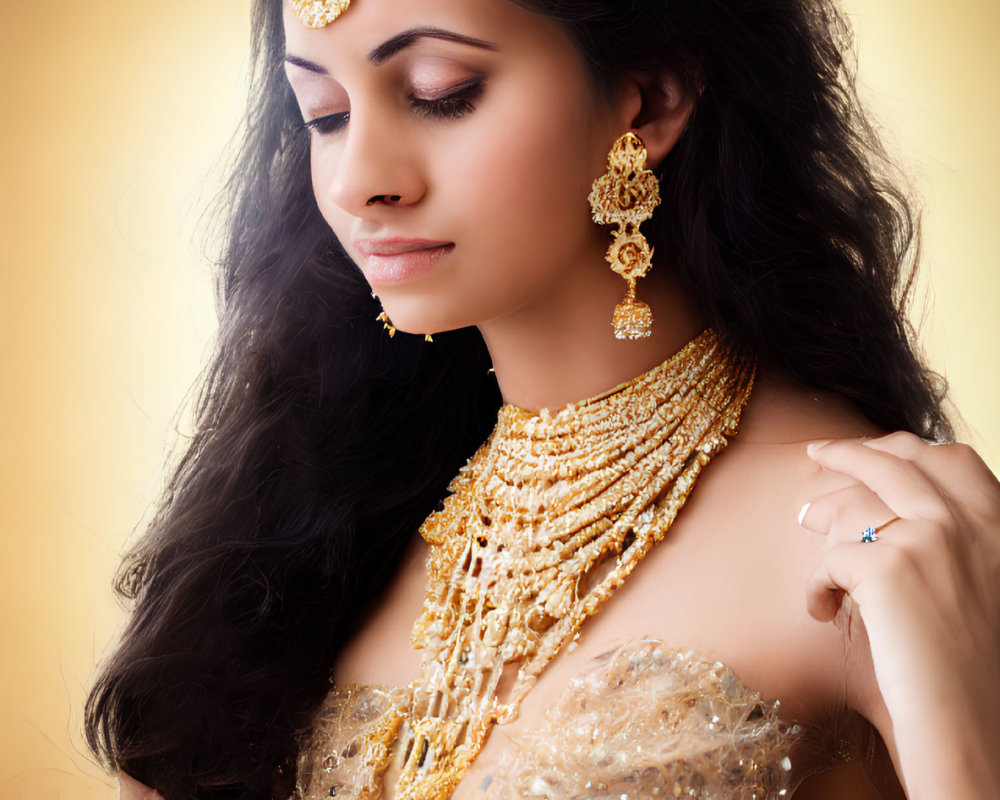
[[928, 595]]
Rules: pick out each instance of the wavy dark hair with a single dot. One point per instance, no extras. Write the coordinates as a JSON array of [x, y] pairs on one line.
[[320, 444]]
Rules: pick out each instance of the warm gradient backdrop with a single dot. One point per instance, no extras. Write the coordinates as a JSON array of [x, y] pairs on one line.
[[115, 115]]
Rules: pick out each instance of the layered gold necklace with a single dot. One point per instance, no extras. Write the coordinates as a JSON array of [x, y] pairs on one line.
[[546, 520]]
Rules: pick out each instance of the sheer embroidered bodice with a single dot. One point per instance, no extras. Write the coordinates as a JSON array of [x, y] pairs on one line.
[[643, 721]]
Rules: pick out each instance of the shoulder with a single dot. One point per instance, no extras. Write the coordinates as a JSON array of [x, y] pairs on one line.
[[730, 579], [750, 500]]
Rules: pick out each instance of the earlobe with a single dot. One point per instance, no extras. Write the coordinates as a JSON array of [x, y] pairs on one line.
[[664, 113]]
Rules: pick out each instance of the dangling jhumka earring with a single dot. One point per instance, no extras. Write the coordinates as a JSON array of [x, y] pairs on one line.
[[384, 319], [318, 13], [387, 324], [626, 195]]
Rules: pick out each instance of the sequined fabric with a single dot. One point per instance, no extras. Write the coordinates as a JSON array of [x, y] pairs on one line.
[[644, 721], [652, 722]]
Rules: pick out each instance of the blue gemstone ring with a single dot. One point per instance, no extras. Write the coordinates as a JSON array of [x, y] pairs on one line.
[[870, 534]]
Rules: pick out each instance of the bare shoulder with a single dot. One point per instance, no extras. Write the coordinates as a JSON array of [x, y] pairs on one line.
[[751, 500], [730, 579]]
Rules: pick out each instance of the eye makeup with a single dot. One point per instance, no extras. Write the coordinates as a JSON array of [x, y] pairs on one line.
[[453, 102]]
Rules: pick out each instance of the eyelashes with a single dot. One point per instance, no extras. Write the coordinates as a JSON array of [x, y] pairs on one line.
[[330, 123], [459, 101]]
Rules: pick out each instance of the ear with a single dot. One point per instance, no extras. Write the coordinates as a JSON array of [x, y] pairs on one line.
[[658, 106]]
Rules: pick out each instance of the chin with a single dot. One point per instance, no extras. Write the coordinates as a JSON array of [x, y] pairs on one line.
[[423, 323], [427, 312]]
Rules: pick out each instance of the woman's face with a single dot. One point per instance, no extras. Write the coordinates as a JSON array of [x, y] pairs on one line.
[[453, 146]]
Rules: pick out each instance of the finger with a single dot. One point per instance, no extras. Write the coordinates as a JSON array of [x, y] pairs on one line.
[[850, 568], [844, 513], [901, 444], [900, 483], [955, 468]]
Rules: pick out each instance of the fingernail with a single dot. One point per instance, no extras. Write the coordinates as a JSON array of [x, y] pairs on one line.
[[813, 447], [803, 511]]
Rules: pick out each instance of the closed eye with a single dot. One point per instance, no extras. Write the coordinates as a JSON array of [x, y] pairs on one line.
[[329, 123], [455, 102], [459, 101]]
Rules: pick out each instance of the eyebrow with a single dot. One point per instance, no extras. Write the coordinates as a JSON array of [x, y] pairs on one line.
[[396, 44]]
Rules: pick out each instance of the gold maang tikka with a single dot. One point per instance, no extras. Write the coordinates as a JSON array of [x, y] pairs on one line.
[[626, 196], [318, 13]]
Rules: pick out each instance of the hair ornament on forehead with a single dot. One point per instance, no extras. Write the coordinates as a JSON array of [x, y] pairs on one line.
[[318, 13]]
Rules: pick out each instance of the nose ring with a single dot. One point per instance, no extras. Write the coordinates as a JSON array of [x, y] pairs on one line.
[[386, 198]]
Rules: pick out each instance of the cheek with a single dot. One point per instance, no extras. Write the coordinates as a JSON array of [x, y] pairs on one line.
[[541, 160], [322, 165], [530, 191]]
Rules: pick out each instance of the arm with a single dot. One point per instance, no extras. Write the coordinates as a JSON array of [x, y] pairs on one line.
[[921, 605]]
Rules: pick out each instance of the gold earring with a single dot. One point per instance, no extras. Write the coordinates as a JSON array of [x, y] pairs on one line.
[[387, 324], [626, 196], [384, 319]]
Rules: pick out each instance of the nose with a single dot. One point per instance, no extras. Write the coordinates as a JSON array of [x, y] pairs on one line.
[[374, 165], [386, 199]]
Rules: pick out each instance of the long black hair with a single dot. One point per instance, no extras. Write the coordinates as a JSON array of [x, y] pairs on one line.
[[321, 443]]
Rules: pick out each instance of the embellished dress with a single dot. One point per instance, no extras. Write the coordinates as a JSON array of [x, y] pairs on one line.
[[643, 722], [545, 522]]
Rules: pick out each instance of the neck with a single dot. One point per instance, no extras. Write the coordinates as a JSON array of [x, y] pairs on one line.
[[564, 350]]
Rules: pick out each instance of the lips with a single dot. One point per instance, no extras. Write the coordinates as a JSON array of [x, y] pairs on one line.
[[395, 246], [397, 259]]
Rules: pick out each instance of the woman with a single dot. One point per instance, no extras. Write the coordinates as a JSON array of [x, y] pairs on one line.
[[453, 147]]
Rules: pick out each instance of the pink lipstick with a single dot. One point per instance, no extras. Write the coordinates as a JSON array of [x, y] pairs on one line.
[[395, 260]]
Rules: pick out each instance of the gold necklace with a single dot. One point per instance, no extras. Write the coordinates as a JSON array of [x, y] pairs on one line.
[[546, 520]]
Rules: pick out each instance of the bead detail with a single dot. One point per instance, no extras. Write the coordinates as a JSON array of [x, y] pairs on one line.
[[318, 13], [543, 524]]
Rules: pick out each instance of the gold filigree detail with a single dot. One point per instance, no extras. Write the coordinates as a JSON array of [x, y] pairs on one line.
[[626, 196], [643, 720], [544, 523], [318, 13]]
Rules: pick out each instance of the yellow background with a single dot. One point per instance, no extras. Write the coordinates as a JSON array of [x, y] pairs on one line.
[[115, 115]]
